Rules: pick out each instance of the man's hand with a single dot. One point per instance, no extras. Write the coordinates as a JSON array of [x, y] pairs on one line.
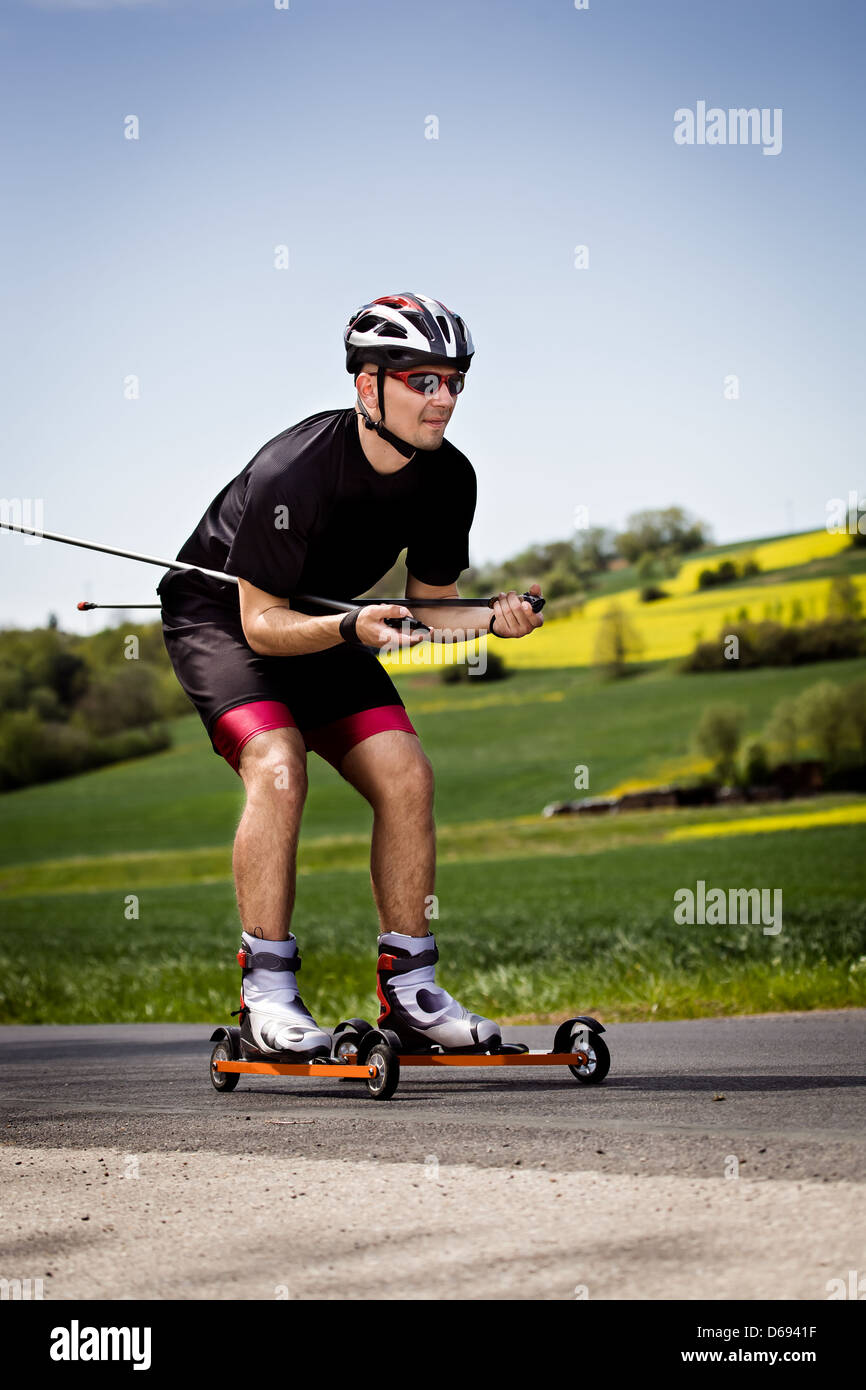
[[373, 632], [513, 617]]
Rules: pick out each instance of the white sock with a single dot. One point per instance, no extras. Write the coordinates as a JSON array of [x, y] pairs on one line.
[[270, 989], [414, 944]]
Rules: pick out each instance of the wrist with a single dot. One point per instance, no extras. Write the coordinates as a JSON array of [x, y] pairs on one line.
[[347, 628]]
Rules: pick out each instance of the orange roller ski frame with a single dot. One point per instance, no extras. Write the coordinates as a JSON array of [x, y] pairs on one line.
[[360, 1052]]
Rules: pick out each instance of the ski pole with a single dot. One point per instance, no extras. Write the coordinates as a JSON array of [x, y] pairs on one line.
[[535, 601]]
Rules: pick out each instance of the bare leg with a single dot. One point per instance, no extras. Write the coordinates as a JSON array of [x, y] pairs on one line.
[[395, 775], [273, 767]]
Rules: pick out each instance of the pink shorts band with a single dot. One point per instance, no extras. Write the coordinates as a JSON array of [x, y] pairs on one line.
[[331, 741], [237, 726]]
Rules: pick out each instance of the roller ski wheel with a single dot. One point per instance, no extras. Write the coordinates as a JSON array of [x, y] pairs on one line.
[[379, 1048], [581, 1035], [346, 1038], [226, 1049]]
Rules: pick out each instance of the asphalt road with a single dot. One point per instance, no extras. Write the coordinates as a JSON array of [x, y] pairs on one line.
[[517, 1173], [794, 1088]]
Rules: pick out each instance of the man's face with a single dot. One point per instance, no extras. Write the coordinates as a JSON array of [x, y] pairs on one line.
[[419, 419]]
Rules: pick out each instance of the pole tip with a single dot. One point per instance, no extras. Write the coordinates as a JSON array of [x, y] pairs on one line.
[[84, 607]]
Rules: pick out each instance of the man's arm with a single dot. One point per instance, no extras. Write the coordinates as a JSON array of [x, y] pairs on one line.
[[514, 618], [273, 628], [449, 624]]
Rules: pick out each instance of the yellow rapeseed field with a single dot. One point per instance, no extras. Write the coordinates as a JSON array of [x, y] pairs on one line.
[[670, 627], [760, 825]]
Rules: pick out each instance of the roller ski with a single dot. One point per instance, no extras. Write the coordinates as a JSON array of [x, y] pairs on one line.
[[419, 1024], [275, 1023], [423, 1025], [278, 1036]]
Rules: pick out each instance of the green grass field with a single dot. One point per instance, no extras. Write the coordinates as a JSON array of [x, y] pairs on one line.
[[537, 917]]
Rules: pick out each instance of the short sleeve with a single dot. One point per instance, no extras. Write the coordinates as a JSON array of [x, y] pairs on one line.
[[270, 542], [438, 551]]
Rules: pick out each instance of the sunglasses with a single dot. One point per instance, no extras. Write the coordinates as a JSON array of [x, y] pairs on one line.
[[428, 382]]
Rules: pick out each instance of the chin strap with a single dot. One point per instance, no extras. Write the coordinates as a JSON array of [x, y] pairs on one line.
[[379, 425]]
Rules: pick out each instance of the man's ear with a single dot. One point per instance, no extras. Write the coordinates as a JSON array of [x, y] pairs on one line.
[[368, 388]]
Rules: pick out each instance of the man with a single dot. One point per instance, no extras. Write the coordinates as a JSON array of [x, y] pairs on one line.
[[326, 508]]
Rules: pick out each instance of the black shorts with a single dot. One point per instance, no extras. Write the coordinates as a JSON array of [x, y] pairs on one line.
[[335, 697]]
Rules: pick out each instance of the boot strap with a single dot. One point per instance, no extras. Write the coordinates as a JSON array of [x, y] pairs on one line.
[[401, 965], [267, 960]]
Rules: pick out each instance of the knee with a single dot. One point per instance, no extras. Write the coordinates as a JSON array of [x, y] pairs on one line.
[[408, 781], [274, 764]]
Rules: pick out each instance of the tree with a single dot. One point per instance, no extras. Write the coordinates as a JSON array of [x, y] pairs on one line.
[[718, 737], [821, 716], [126, 698], [782, 728], [616, 640], [594, 549], [843, 600], [755, 763], [669, 529]]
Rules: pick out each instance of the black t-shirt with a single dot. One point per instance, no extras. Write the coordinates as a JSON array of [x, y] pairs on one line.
[[310, 514]]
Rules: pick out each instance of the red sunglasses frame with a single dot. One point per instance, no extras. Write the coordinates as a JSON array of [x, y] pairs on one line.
[[429, 371]]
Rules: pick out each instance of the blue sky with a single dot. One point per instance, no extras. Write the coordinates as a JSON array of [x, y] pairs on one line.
[[602, 387]]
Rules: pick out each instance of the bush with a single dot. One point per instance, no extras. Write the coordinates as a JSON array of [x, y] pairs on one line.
[[127, 698], [832, 639], [821, 716], [20, 736], [46, 703], [616, 640], [496, 670], [726, 572], [32, 750], [773, 644], [782, 730], [843, 599], [559, 582], [755, 765], [718, 737], [132, 743]]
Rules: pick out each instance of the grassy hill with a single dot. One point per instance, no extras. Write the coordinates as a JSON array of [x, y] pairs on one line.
[[537, 918]]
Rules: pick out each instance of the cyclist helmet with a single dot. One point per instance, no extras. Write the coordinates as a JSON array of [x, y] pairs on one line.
[[400, 331]]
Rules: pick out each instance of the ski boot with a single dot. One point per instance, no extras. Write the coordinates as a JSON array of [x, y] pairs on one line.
[[275, 1022], [415, 1008]]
